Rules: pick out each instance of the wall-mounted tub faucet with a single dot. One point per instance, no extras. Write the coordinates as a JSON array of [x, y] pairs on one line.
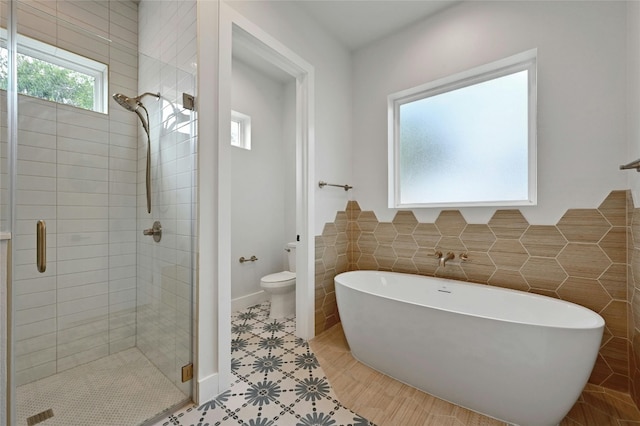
[[449, 256]]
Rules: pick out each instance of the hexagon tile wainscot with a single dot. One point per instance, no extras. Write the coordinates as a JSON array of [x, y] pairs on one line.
[[582, 259]]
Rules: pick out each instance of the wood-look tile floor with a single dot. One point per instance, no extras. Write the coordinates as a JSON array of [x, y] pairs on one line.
[[385, 401]]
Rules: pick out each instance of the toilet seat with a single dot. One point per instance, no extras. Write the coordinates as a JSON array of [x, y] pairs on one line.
[[279, 279], [281, 287]]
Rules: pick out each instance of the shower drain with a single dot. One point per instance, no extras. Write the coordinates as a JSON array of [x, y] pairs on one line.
[[40, 417]]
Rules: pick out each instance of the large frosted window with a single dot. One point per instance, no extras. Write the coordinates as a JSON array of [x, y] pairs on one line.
[[466, 140]]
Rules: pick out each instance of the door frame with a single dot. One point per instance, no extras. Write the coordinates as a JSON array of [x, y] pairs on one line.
[[233, 24]]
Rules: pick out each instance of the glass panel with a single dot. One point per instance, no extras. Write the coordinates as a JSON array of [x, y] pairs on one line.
[[84, 325], [165, 271], [480, 131], [5, 230], [5, 226]]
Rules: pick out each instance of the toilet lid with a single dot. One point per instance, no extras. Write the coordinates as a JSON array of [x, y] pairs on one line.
[[279, 277]]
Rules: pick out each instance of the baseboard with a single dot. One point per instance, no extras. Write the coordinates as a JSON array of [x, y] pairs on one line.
[[243, 302], [208, 388]]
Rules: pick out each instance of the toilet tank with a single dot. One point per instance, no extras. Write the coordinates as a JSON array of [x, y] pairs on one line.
[[291, 254]]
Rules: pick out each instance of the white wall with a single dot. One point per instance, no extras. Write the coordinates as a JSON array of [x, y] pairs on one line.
[[289, 129], [581, 94], [633, 95], [332, 63], [262, 187]]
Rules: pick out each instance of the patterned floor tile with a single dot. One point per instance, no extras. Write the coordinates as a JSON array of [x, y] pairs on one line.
[[277, 381]]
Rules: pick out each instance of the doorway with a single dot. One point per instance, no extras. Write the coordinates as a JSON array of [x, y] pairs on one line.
[[236, 32], [263, 176]]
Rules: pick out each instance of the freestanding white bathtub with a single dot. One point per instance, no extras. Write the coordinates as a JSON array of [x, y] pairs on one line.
[[518, 357]]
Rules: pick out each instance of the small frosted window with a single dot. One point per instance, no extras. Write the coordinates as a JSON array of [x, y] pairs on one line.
[[466, 141], [240, 130], [235, 133]]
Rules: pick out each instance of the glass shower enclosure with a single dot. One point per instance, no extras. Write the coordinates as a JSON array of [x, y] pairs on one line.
[[100, 307]]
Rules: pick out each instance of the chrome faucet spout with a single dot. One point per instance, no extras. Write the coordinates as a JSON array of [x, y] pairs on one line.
[[444, 259]]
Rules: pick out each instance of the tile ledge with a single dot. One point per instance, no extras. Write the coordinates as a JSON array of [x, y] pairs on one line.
[[5, 235]]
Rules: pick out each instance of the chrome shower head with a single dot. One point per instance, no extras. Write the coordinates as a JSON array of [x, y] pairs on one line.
[[127, 102], [132, 104]]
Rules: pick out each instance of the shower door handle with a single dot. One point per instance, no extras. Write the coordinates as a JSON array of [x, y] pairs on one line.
[[41, 246]]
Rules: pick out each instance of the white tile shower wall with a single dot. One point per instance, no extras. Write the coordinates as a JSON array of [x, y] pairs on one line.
[[77, 170], [35, 302], [165, 269]]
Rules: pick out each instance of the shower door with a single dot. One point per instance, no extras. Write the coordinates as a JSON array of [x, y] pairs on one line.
[[102, 314]]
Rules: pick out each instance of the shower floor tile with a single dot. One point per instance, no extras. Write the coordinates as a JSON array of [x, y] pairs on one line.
[[277, 381], [121, 389]]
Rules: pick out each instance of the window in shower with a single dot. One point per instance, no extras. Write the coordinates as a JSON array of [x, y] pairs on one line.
[[240, 130], [466, 140], [53, 74]]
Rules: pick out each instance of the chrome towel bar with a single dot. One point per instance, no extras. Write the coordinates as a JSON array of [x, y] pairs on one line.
[[322, 184], [632, 165]]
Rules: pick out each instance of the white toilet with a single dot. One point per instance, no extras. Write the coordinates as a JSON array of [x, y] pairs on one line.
[[282, 288]]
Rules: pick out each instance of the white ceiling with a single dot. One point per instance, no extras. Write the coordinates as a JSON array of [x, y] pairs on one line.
[[357, 23]]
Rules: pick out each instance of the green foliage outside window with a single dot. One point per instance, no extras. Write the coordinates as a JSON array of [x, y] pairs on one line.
[[51, 82]]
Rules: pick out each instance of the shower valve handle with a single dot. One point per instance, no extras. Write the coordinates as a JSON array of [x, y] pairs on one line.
[[155, 231]]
